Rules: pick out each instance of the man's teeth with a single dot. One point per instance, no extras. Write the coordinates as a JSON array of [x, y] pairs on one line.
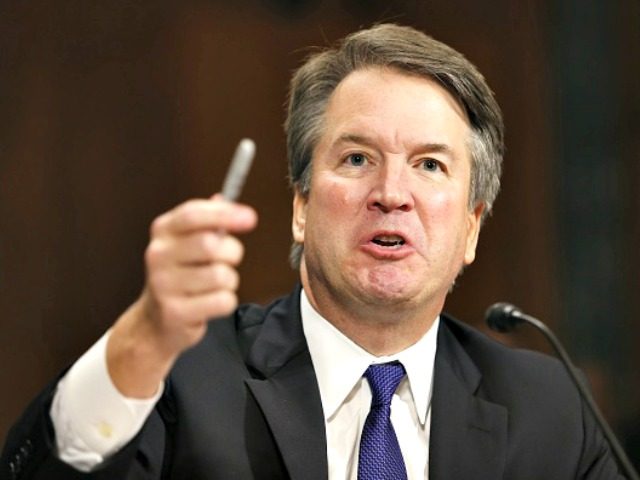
[[388, 240]]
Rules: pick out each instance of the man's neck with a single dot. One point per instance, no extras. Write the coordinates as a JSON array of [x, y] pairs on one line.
[[380, 330]]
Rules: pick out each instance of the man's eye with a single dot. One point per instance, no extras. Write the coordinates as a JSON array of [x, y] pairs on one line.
[[430, 165], [356, 159]]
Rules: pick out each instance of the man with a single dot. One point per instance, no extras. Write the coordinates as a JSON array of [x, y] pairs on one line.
[[395, 148]]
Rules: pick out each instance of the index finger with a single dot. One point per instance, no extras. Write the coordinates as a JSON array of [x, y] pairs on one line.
[[214, 214]]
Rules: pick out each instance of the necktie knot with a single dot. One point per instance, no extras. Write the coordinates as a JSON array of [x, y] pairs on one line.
[[384, 379]]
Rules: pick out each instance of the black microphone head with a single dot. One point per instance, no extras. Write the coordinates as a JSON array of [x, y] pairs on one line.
[[502, 317]]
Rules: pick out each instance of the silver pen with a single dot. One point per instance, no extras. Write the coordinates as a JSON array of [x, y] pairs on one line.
[[238, 169]]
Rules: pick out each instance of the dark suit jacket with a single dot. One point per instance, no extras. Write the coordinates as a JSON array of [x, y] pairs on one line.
[[244, 404]]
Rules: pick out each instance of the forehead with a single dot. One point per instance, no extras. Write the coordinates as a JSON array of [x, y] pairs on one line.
[[397, 107]]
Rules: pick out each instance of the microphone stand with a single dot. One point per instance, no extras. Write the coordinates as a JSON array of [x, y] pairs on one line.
[[519, 317]]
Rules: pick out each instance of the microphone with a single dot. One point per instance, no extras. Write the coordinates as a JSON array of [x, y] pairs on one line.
[[504, 318]]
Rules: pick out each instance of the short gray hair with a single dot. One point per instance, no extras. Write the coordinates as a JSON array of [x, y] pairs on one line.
[[408, 51]]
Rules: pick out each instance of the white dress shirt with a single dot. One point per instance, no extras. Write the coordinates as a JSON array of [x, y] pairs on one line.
[[346, 397], [93, 420]]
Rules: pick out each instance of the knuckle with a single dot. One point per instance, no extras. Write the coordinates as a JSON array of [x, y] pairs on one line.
[[187, 213], [209, 245], [225, 276], [234, 250], [185, 207], [154, 253], [233, 278], [215, 275], [185, 217], [239, 254], [158, 225], [240, 251], [225, 302]]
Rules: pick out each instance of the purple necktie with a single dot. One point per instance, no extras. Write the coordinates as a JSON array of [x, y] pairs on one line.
[[380, 457]]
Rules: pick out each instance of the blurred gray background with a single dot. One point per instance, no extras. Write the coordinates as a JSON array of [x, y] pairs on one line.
[[113, 111]]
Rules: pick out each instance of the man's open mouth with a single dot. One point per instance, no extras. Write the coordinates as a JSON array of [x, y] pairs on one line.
[[388, 241]]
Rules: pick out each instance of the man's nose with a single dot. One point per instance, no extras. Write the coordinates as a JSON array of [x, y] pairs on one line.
[[392, 189]]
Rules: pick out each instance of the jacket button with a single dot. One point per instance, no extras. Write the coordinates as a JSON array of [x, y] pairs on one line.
[[25, 452], [14, 469], [16, 465]]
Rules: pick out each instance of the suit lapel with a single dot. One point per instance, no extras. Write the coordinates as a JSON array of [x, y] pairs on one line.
[[468, 434], [286, 390]]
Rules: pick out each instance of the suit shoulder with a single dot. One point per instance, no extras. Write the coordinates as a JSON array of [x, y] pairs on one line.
[[233, 336], [505, 368], [479, 344]]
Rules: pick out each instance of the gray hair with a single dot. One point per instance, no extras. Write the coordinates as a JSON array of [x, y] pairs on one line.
[[408, 51]]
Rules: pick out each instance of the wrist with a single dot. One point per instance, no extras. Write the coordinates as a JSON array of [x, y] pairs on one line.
[[138, 359]]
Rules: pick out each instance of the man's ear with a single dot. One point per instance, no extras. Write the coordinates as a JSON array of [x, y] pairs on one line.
[[299, 218], [473, 231]]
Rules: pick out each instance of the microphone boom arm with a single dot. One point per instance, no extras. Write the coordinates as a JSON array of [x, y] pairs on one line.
[[516, 317]]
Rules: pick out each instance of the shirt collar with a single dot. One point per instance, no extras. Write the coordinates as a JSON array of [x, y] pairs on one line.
[[339, 362]]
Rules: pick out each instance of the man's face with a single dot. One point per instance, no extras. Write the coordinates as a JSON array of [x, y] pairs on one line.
[[387, 219]]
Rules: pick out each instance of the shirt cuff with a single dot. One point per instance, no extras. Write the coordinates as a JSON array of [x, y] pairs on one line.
[[91, 418]]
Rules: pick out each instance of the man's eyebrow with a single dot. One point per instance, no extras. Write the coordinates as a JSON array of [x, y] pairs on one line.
[[428, 147], [355, 138]]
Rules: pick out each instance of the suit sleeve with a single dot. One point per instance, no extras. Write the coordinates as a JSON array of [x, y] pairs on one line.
[[597, 460]]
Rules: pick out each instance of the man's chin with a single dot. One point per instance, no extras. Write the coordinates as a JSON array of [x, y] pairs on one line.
[[387, 295], [389, 284]]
